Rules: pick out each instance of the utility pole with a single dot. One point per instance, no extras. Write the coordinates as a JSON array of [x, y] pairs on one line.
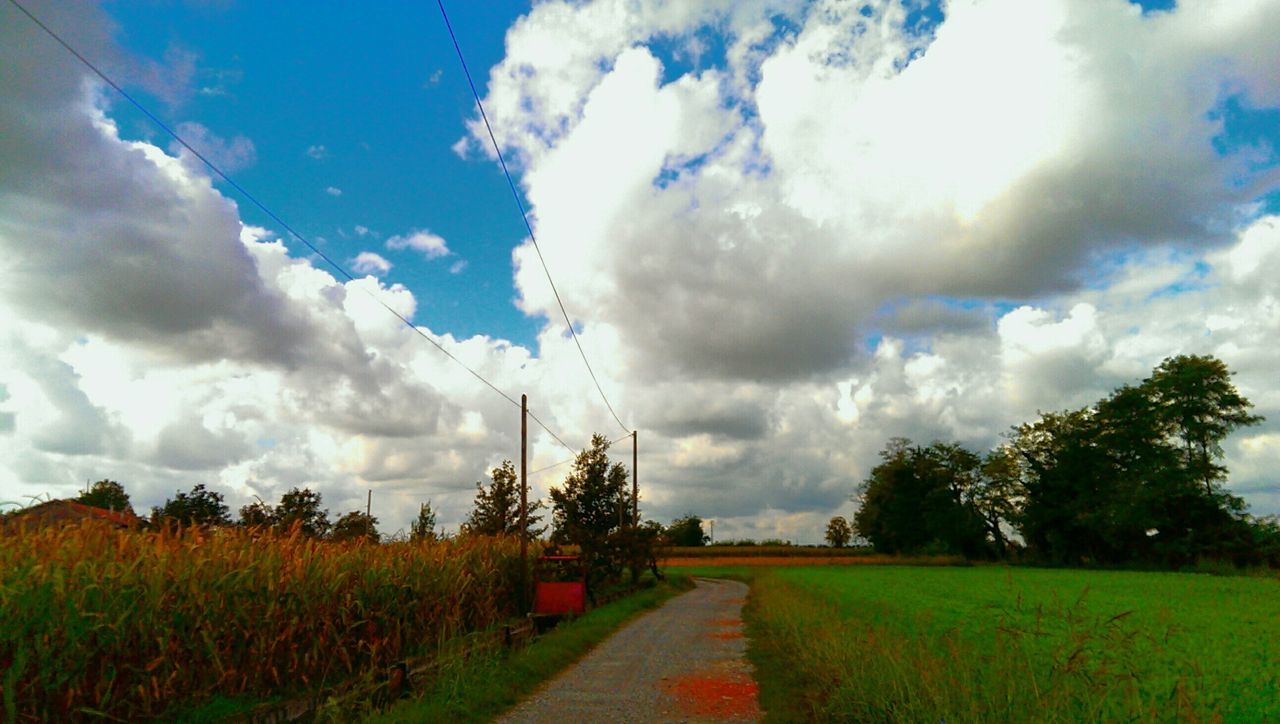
[[368, 518], [635, 483], [524, 499]]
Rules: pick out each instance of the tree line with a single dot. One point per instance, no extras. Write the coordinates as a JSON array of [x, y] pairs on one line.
[[1135, 478], [591, 510]]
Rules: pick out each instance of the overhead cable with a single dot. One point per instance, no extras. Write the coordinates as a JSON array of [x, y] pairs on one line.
[[251, 198], [524, 215]]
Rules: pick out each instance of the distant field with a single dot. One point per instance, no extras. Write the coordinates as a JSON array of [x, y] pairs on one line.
[[791, 556], [1013, 644]]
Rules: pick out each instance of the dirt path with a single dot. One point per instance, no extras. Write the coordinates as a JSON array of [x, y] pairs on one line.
[[684, 662]]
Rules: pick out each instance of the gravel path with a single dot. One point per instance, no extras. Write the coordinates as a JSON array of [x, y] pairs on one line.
[[684, 662]]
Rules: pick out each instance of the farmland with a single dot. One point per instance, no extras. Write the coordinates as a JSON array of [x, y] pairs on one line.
[[95, 619], [880, 643]]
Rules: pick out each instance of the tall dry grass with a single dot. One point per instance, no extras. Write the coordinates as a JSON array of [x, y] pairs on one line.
[[123, 623]]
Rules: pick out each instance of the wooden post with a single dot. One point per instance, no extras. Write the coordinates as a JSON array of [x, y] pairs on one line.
[[635, 483], [368, 518], [524, 499]]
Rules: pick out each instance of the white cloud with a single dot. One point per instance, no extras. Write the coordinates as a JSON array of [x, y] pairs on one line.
[[318, 152], [333, 191], [428, 244], [367, 262], [458, 266], [230, 156], [779, 263]]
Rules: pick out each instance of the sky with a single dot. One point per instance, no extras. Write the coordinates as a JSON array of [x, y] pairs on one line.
[[785, 232]]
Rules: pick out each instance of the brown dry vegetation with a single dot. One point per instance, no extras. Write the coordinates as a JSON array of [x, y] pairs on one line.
[[96, 620]]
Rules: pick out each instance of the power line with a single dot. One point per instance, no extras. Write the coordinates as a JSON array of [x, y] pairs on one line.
[[213, 167], [524, 216], [575, 457]]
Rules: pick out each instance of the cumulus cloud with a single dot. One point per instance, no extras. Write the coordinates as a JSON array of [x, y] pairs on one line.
[[318, 152], [860, 162], [230, 156], [333, 191], [367, 262], [835, 230], [430, 245]]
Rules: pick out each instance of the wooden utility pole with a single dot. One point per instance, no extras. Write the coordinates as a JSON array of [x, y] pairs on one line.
[[368, 518], [635, 483], [524, 497]]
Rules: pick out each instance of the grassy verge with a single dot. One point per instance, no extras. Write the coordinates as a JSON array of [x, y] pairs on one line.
[[481, 688], [989, 644]]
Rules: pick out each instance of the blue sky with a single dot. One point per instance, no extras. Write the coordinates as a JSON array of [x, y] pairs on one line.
[[786, 236], [380, 88]]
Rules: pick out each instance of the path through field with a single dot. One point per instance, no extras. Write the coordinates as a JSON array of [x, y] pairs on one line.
[[684, 662]]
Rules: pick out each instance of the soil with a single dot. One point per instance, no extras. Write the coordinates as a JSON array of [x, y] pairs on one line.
[[684, 662]]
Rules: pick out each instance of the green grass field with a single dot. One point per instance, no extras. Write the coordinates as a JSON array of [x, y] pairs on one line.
[[1012, 644]]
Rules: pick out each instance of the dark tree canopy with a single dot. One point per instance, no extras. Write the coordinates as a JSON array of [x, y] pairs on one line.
[[592, 505], [918, 500], [1135, 477], [302, 506], [356, 525], [257, 514], [496, 510], [201, 506], [839, 533], [106, 494], [687, 531], [424, 526]]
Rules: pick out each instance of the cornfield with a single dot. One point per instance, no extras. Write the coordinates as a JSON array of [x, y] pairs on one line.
[[100, 621]]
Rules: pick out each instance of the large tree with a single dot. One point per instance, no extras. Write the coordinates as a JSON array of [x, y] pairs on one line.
[[686, 531], [424, 526], [302, 506], [257, 514], [106, 494], [592, 507], [1194, 396], [1136, 476], [838, 532], [356, 525], [916, 500], [201, 506], [496, 510]]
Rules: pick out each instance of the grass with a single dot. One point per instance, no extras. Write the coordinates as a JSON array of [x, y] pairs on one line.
[[1011, 644], [480, 689], [130, 624]]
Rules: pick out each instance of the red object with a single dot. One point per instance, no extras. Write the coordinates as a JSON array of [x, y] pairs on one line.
[[560, 598], [561, 587]]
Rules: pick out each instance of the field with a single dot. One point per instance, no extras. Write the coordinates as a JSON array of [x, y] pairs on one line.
[[738, 555], [883, 643], [95, 620]]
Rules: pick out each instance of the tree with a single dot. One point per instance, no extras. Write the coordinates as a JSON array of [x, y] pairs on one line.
[[496, 510], [592, 504], [1194, 396], [106, 494], [838, 532], [302, 506], [997, 495], [1137, 476], [424, 526], [199, 507], [687, 531], [257, 514], [356, 525], [917, 500]]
